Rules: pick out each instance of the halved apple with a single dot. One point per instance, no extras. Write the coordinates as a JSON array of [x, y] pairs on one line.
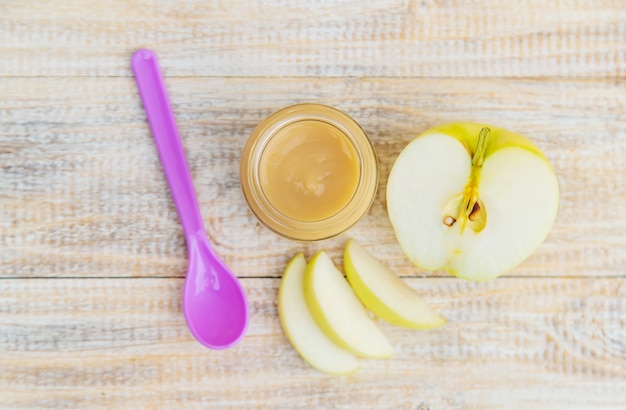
[[338, 312], [384, 293], [471, 199], [300, 327]]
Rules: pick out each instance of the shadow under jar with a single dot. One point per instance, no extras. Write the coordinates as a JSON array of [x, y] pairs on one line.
[[309, 172]]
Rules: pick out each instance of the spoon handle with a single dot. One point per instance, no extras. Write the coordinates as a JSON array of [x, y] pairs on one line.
[[165, 132]]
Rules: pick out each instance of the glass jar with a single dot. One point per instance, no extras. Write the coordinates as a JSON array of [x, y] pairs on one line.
[[309, 172]]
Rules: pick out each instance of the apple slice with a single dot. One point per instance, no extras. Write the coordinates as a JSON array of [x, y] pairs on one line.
[[302, 331], [338, 312], [384, 293], [471, 199]]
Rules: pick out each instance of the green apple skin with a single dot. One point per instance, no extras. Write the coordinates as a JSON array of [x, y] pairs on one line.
[[384, 293], [339, 313], [467, 134], [511, 179], [300, 327]]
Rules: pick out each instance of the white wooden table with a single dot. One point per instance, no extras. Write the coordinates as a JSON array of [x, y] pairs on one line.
[[92, 257]]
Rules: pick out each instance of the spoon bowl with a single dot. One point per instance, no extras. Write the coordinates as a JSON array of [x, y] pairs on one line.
[[214, 302], [211, 287]]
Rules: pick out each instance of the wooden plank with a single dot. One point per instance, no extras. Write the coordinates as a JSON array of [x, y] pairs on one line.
[[396, 38], [118, 343], [82, 192]]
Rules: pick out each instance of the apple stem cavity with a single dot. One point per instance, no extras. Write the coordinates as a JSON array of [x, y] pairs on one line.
[[468, 207]]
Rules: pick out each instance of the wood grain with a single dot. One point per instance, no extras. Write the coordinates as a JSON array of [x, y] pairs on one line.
[[392, 38], [92, 255], [510, 343], [82, 191]]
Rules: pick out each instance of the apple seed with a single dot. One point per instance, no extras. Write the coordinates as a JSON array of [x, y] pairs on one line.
[[475, 213], [449, 221]]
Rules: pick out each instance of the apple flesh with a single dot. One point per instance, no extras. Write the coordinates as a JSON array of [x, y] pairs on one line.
[[300, 327], [471, 199], [384, 293], [338, 312]]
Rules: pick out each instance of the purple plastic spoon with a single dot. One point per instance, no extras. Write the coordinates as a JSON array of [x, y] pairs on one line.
[[214, 303]]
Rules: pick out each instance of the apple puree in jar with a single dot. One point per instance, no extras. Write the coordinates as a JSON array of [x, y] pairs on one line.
[[309, 170]]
